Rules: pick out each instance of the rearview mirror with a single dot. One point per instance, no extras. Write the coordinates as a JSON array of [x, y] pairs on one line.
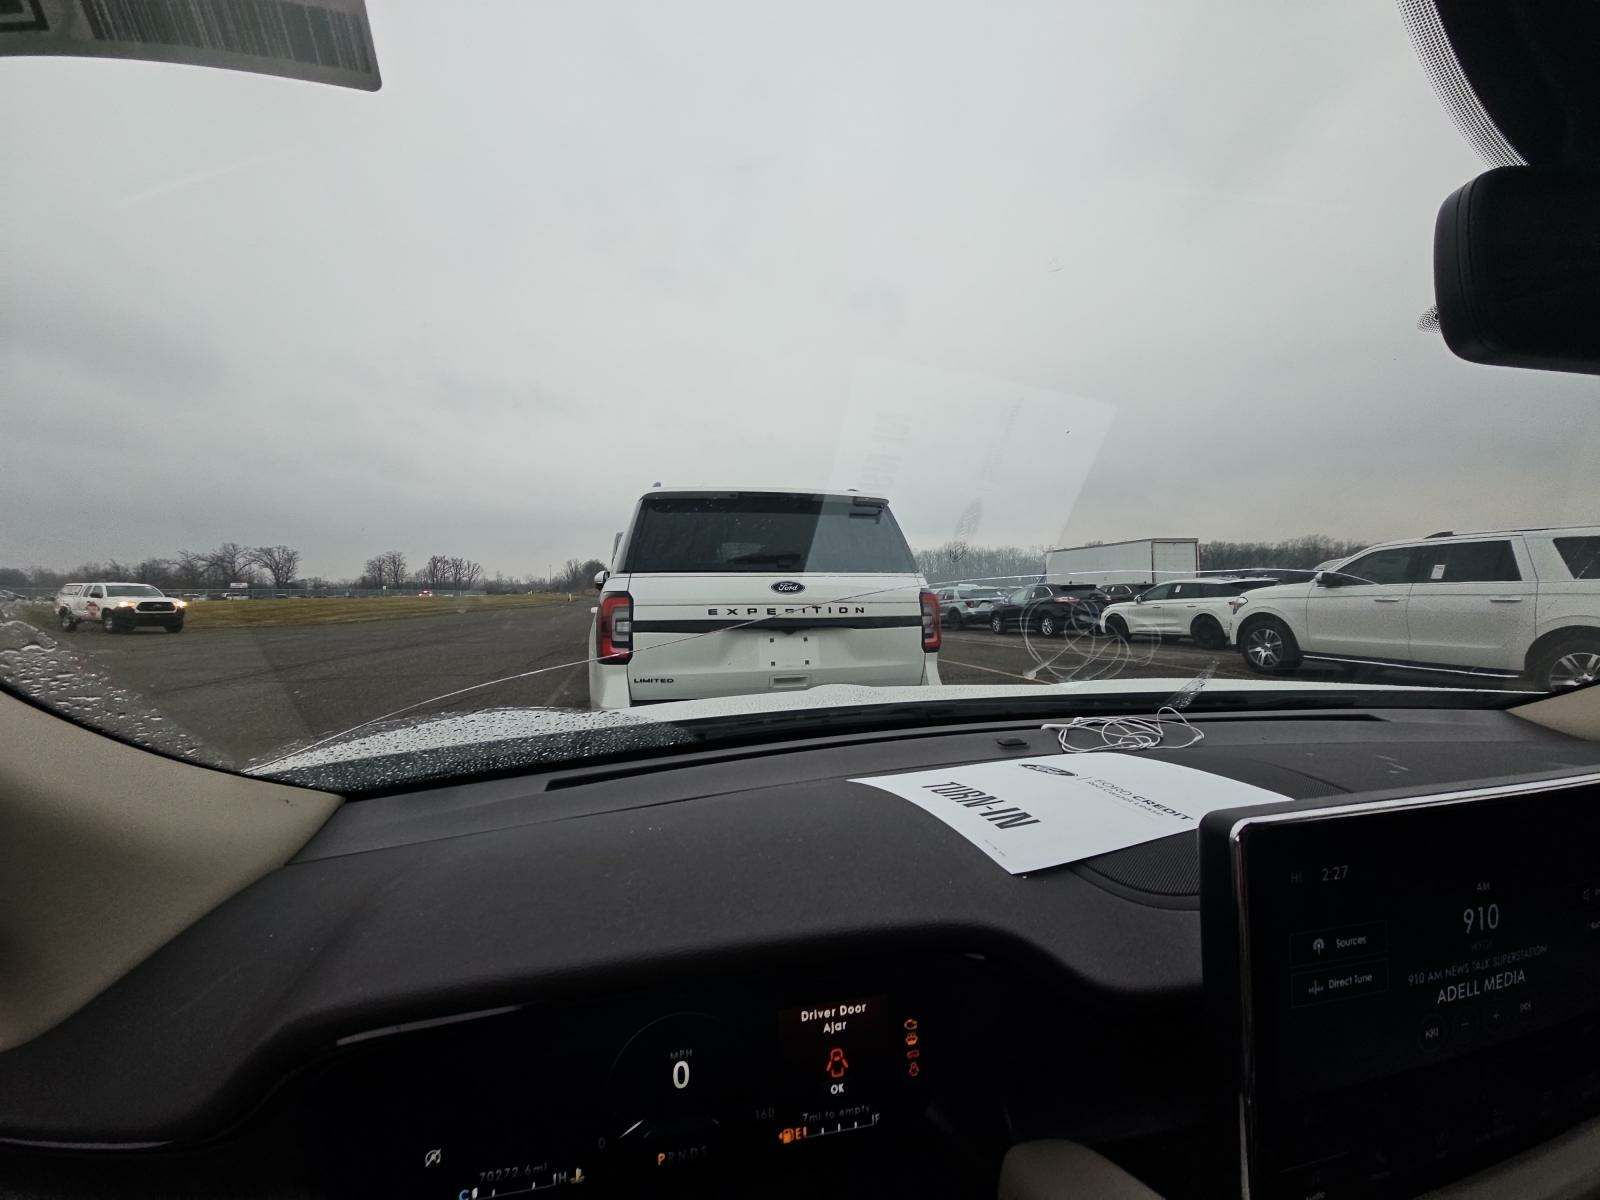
[[1516, 270]]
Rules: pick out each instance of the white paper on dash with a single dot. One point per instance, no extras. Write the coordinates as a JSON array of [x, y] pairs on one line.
[[1031, 813]]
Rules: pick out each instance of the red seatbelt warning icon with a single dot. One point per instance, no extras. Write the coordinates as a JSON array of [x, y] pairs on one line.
[[837, 1063]]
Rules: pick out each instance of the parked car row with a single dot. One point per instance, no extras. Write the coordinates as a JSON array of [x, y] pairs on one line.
[[1193, 608], [1509, 604], [1050, 609]]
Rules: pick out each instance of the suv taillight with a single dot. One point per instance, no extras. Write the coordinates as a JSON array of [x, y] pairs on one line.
[[931, 636], [614, 630]]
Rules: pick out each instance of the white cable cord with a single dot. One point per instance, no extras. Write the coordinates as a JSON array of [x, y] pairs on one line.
[[1137, 733], [1128, 733]]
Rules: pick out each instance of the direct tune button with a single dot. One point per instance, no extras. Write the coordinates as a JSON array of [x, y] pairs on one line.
[[1338, 982], [1434, 1033]]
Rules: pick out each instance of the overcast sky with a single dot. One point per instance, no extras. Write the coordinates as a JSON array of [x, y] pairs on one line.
[[1111, 269]]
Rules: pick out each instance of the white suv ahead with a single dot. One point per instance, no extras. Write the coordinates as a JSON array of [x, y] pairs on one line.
[[732, 592], [118, 607], [1507, 604], [1202, 609]]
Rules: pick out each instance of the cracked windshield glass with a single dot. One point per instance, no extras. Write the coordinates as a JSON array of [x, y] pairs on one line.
[[626, 376]]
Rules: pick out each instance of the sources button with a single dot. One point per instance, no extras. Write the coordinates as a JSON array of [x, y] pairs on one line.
[[1345, 941]]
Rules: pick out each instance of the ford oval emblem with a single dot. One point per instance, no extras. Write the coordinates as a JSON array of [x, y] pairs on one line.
[[788, 587]]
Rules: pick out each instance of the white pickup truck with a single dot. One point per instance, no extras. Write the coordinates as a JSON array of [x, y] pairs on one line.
[[734, 592], [118, 607]]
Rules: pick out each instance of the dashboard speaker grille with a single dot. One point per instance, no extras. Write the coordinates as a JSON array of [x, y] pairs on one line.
[[1168, 867]]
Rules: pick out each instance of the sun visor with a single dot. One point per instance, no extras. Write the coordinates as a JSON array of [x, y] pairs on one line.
[[319, 41]]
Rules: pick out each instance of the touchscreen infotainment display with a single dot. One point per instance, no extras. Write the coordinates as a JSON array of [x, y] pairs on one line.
[[1417, 983]]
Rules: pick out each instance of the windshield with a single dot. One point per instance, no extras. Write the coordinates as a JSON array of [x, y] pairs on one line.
[[610, 367]]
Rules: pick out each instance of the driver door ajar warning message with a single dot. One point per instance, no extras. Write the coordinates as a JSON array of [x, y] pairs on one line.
[[1031, 813]]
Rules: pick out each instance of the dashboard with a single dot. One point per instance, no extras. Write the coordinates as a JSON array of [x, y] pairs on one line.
[[736, 972], [802, 1080]]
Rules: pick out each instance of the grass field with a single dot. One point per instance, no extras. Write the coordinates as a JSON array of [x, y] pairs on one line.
[[259, 614]]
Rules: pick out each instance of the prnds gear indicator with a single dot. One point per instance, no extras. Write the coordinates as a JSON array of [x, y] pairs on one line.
[[844, 1058]]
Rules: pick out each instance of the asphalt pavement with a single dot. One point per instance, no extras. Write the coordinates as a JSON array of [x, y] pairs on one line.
[[248, 693]]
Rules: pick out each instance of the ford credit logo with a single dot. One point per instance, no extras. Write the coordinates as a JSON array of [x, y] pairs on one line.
[[788, 587]]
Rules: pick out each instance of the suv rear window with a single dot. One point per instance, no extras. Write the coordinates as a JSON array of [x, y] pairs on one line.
[[766, 534], [1582, 556]]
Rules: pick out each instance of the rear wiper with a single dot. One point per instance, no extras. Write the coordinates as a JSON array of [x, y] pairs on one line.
[[777, 560]]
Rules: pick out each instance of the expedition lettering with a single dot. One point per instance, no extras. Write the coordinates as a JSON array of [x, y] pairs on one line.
[[789, 611]]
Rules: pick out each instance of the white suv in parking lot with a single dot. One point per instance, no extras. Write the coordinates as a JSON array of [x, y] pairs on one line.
[[118, 607], [968, 602], [733, 592], [1511, 603], [1202, 609]]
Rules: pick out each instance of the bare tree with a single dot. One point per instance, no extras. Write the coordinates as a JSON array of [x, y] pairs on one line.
[[189, 568], [394, 566], [154, 570], [372, 572], [437, 571], [1300, 553], [279, 562], [464, 573], [503, 584], [229, 563], [577, 575], [388, 569]]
